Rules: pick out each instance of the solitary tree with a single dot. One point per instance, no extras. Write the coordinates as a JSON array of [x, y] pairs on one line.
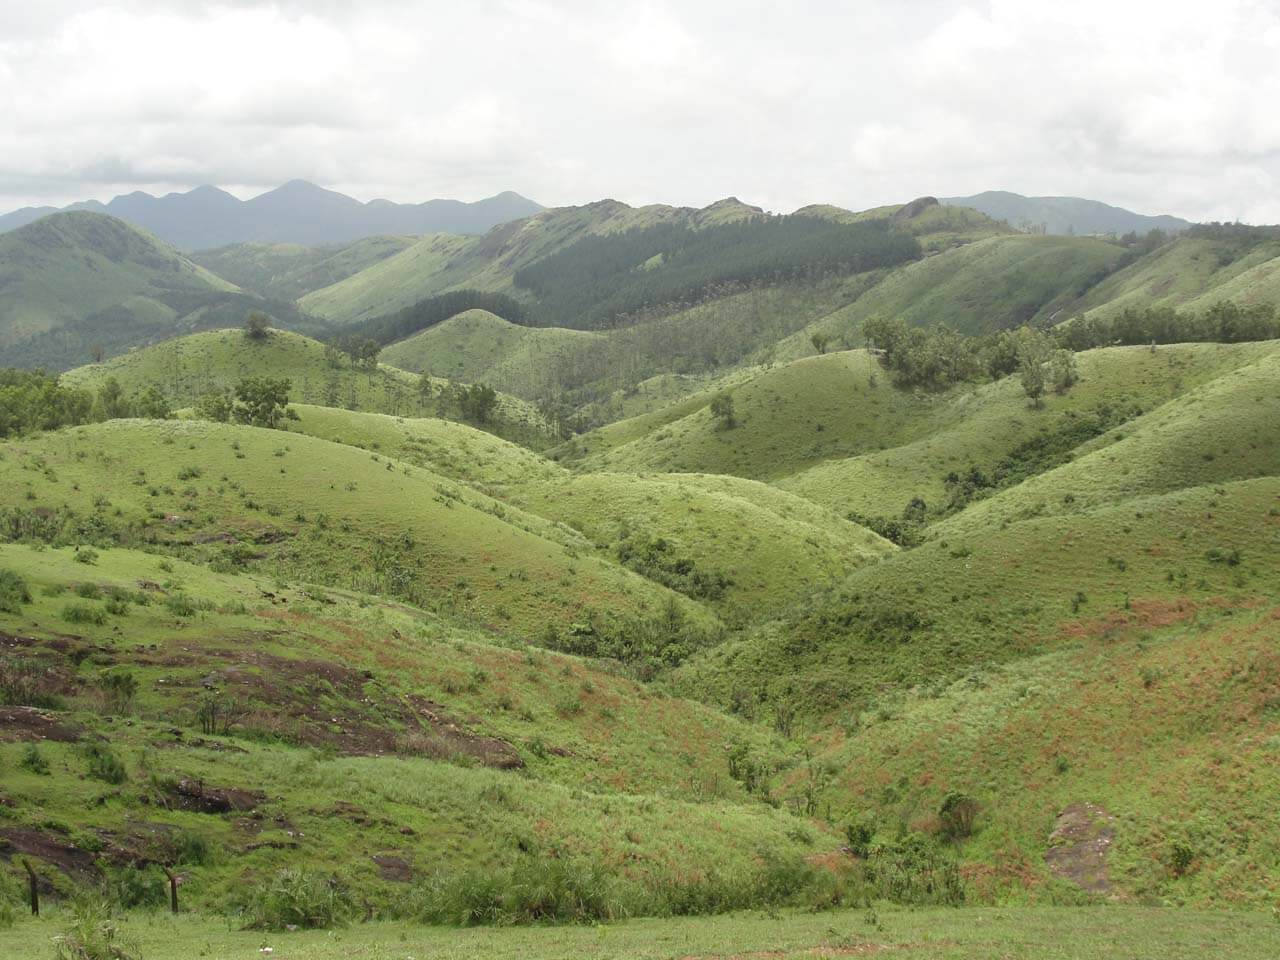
[[257, 325], [262, 401], [1062, 370], [722, 411], [820, 341]]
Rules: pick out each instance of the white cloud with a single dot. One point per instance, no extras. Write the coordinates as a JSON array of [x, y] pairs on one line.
[[1153, 105]]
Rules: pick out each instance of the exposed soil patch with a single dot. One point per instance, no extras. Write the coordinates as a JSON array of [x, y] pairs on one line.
[[196, 796], [394, 868], [1078, 846], [22, 724], [50, 848], [325, 704]]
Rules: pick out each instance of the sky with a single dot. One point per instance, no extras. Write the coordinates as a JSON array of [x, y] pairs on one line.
[[1161, 107]]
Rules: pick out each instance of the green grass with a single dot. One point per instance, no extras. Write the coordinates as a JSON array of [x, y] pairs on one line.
[[369, 729], [187, 367], [439, 263], [1046, 933], [326, 512], [769, 548], [69, 266], [1166, 718], [478, 347], [287, 271], [984, 425]]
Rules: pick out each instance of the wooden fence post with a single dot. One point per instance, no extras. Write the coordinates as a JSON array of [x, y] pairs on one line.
[[173, 888], [34, 885]]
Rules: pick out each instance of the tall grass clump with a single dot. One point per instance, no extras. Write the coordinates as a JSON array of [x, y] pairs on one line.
[[13, 592], [94, 934], [296, 899]]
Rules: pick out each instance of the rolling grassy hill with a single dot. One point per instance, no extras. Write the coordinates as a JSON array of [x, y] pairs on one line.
[[788, 417], [991, 284], [993, 428], [73, 282], [440, 263], [325, 512], [287, 271], [742, 548], [360, 731], [187, 367], [478, 347], [1190, 272]]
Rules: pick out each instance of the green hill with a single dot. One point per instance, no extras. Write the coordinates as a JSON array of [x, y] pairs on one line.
[[287, 271], [324, 512], [787, 418], [75, 282], [991, 284], [342, 729], [993, 428], [187, 367], [440, 263], [1189, 273], [478, 347], [742, 548]]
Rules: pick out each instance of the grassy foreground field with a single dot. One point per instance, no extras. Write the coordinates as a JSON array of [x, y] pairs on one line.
[[1055, 933]]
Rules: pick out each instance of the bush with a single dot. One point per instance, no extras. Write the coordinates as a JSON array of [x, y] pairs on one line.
[[914, 871], [296, 898], [105, 765], [13, 592], [33, 760], [21, 684], [132, 886], [84, 613], [533, 890], [120, 687], [94, 934], [957, 815]]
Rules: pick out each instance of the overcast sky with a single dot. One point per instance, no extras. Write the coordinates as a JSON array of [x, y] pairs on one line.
[[1165, 106]]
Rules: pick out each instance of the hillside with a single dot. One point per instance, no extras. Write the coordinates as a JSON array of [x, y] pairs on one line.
[[438, 264], [479, 347], [1064, 215], [343, 728], [329, 513], [75, 282], [189, 367], [296, 212], [992, 284], [287, 271]]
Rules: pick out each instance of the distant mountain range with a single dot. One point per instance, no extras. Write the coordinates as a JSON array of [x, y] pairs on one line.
[[1064, 215], [298, 212]]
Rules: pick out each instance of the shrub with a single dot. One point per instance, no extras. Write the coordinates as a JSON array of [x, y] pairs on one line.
[[104, 765], [33, 760], [84, 613], [93, 935], [192, 849], [13, 592], [21, 684], [297, 898], [190, 472], [133, 886], [914, 871], [957, 815], [533, 890], [120, 687], [86, 555]]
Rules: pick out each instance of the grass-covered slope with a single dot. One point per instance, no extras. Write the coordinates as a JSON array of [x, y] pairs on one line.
[[354, 735], [994, 428], [741, 547], [321, 511], [1163, 720], [992, 284], [1227, 429], [287, 271], [997, 594], [1190, 272], [479, 347], [439, 263], [787, 418], [73, 283], [187, 367]]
